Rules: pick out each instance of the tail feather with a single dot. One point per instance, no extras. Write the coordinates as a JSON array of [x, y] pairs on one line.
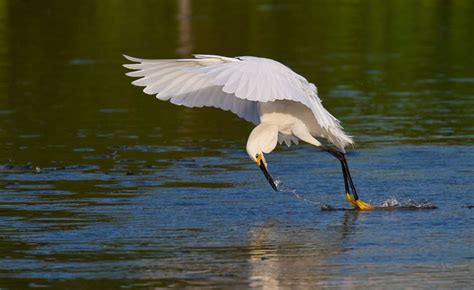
[[339, 138]]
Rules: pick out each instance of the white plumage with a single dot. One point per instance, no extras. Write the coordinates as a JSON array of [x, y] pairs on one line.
[[239, 85]]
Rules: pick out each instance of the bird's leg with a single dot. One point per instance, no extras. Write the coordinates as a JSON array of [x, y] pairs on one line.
[[348, 177], [303, 134], [348, 184], [351, 192], [344, 173]]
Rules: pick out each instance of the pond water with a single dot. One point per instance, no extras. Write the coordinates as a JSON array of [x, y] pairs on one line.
[[104, 186]]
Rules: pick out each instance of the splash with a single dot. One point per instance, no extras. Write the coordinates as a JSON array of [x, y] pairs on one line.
[[283, 188], [392, 203], [395, 203]]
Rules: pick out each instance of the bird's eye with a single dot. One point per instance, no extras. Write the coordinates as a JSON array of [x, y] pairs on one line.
[[256, 155]]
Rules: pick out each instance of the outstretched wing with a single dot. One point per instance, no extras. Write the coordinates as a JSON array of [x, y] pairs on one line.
[[175, 80], [234, 84]]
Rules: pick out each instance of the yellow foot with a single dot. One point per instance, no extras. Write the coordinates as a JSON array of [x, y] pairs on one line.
[[358, 204]]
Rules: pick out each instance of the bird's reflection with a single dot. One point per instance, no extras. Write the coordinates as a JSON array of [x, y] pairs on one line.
[[285, 257]]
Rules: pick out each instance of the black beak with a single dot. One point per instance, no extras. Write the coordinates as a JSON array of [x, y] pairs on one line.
[[267, 175]]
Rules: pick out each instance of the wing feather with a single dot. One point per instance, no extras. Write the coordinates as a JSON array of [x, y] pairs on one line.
[[268, 81], [233, 84]]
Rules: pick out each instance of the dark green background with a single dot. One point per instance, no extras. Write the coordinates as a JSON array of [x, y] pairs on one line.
[[393, 71]]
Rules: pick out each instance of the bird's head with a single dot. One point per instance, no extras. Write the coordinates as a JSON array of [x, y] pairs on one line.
[[256, 145], [262, 164], [257, 156]]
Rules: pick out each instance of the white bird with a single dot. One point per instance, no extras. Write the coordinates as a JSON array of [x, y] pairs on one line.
[[284, 105]]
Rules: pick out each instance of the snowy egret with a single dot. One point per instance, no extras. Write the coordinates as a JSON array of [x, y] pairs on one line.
[[284, 105]]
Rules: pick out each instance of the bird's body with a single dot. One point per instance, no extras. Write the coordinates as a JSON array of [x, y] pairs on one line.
[[295, 119], [284, 105]]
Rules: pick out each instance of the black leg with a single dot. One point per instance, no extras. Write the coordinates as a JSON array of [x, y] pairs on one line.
[[351, 192], [349, 178], [348, 183]]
